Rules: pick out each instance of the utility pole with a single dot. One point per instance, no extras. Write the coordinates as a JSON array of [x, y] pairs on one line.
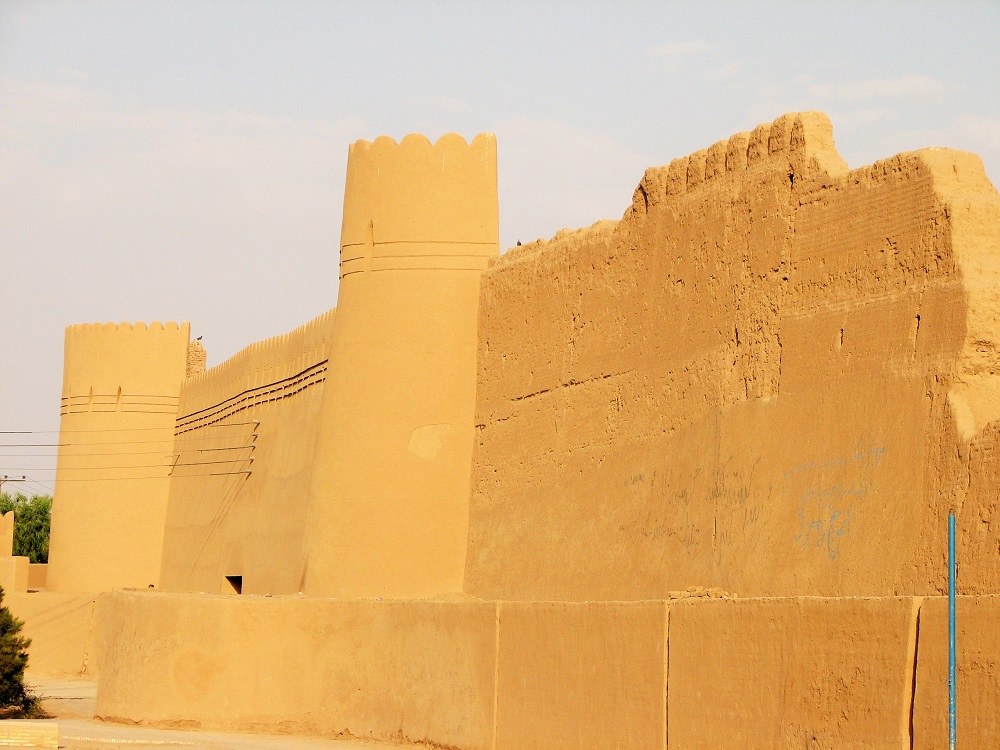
[[4, 479]]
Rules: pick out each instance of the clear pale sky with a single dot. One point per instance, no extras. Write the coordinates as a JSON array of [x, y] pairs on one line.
[[185, 160]]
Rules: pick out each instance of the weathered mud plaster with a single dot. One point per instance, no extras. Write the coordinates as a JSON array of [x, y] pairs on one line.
[[245, 440], [765, 377], [687, 672]]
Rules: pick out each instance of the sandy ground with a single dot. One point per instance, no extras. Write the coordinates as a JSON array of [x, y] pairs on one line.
[[71, 704]]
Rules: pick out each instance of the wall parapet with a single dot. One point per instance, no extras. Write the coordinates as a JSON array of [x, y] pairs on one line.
[[599, 231], [126, 327], [800, 143], [261, 363], [803, 141]]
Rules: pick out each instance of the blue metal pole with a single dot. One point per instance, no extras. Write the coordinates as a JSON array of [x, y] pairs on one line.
[[952, 667]]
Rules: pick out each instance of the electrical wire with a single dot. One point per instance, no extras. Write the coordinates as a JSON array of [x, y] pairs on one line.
[[155, 476], [45, 489], [42, 485], [119, 429], [105, 442], [186, 443], [118, 468], [54, 454]]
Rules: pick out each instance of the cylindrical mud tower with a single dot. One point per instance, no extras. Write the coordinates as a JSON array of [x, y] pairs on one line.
[[390, 494], [119, 402]]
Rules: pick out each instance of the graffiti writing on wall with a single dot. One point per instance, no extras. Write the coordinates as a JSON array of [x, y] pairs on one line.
[[827, 492]]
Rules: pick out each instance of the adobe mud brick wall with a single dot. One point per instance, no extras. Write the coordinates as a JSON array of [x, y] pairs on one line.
[[245, 437], [409, 671], [825, 673], [458, 674], [61, 629], [14, 573], [774, 375], [688, 673], [7, 534], [581, 675], [978, 688], [37, 576]]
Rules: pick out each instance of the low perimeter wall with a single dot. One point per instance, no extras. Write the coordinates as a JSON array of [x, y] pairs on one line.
[[61, 629], [691, 672]]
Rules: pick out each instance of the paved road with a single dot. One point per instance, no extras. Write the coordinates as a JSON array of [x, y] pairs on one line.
[[71, 704]]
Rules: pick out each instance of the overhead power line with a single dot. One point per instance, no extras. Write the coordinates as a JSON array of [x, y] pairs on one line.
[[169, 441], [155, 476], [42, 485], [36, 485], [135, 466], [74, 454], [252, 423], [4, 479]]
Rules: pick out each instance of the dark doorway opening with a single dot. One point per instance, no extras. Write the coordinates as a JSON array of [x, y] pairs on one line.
[[236, 582]]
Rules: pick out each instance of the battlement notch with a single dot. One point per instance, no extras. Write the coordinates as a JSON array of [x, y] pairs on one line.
[[417, 204]]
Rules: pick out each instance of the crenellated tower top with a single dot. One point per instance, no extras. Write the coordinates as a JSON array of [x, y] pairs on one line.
[[134, 357], [417, 200]]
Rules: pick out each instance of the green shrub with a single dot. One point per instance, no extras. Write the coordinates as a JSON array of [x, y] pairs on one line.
[[32, 518], [15, 700]]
